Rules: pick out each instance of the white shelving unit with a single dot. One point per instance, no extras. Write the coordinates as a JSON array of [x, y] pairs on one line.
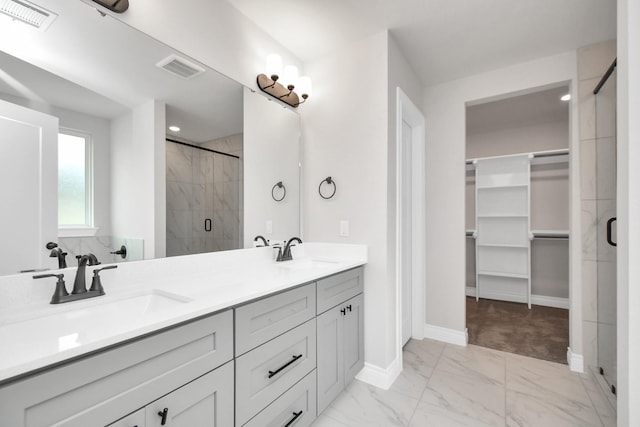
[[503, 224]]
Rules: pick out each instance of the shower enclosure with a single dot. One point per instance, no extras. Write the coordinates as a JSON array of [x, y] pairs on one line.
[[605, 100], [204, 188]]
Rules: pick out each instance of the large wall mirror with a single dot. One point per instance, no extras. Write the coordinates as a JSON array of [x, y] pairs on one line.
[[106, 97]]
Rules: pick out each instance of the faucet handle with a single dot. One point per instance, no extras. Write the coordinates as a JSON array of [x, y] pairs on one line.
[[279, 247], [96, 282], [61, 289]]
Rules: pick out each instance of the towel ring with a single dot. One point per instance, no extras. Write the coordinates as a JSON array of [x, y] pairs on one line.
[[279, 184], [328, 180]]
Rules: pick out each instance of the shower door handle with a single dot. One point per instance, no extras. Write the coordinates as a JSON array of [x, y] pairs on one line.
[[609, 226], [207, 224]]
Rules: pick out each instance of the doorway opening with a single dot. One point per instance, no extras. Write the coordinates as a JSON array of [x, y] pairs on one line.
[[517, 223], [410, 222]]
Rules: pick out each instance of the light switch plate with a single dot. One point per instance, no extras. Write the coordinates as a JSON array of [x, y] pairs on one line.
[[344, 228]]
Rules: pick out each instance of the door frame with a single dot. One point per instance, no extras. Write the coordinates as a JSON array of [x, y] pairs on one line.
[[407, 112]]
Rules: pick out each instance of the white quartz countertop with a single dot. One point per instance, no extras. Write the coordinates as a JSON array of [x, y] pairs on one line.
[[147, 296]]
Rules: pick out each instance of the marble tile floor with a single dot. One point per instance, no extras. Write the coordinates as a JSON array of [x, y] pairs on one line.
[[445, 385]]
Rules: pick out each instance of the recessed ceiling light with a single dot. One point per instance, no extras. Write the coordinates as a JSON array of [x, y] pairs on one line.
[[565, 97], [174, 128]]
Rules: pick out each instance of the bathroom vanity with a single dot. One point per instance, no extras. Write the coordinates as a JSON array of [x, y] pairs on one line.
[[254, 343]]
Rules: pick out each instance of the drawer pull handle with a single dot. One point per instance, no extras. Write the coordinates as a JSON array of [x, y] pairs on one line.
[[349, 307], [343, 311], [293, 420], [163, 414], [274, 373]]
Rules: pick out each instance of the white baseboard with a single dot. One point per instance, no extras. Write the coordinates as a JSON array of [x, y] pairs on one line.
[[447, 335], [555, 302], [575, 361], [380, 377], [535, 299]]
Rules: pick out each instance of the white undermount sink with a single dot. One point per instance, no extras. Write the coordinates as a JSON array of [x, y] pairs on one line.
[[63, 327], [304, 263]]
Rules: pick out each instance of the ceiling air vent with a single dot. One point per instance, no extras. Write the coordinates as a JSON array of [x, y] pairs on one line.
[[180, 67], [28, 13]]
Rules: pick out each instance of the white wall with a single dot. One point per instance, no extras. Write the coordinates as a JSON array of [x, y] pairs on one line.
[[444, 107], [138, 187], [345, 136], [628, 207], [271, 155]]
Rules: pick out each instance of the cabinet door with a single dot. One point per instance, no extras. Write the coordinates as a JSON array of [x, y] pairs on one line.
[[330, 356], [353, 323], [137, 419], [205, 402]]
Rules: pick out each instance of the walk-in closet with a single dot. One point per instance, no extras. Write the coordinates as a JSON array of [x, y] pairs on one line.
[[517, 223]]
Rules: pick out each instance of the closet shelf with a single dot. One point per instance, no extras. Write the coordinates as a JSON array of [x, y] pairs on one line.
[[503, 274], [502, 245], [499, 187], [503, 216]]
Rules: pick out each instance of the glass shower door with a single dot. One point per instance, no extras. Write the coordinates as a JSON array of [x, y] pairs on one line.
[[605, 101]]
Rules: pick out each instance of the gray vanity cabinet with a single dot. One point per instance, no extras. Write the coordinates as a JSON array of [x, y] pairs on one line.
[[340, 336], [204, 401], [275, 349], [137, 419], [103, 388]]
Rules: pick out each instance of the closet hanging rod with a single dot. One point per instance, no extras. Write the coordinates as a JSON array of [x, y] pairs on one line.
[[538, 154], [536, 234]]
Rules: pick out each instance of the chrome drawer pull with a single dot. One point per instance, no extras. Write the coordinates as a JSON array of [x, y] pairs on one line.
[[273, 373], [292, 420]]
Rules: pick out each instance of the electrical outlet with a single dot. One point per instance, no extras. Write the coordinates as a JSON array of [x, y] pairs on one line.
[[269, 227], [344, 228]]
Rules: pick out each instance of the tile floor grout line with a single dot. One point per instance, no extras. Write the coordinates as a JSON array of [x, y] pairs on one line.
[[505, 389], [591, 400], [428, 381]]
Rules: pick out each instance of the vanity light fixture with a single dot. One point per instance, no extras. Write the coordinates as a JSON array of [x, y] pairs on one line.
[[280, 82], [174, 128], [118, 6], [566, 97]]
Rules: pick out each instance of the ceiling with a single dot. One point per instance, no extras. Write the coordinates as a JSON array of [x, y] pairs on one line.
[[533, 108], [100, 66], [442, 39]]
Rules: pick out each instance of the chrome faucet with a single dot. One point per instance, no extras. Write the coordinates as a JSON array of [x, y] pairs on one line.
[[285, 254], [80, 284]]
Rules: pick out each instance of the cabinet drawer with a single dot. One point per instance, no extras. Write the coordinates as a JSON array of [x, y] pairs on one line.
[[96, 389], [296, 407], [266, 372], [336, 289], [260, 321], [132, 420]]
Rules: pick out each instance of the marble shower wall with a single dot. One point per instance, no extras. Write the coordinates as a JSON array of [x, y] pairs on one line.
[[597, 188], [101, 246], [203, 186]]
